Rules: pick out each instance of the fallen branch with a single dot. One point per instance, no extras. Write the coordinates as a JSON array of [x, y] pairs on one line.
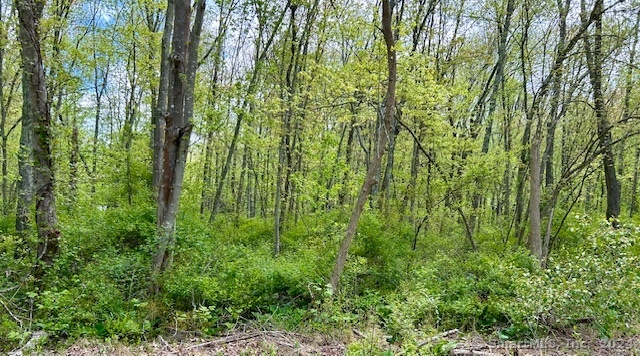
[[460, 352], [235, 338], [358, 333], [9, 289], [226, 340], [438, 337], [434, 338], [36, 338], [10, 313]]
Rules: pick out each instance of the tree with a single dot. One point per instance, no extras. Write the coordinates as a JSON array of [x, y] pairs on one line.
[[8, 88], [260, 56], [594, 65], [175, 147], [369, 181], [29, 15]]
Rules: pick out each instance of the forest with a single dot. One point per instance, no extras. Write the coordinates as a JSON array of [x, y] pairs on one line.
[[384, 174]]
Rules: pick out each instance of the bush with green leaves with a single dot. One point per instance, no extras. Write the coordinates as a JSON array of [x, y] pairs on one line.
[[235, 273], [227, 274]]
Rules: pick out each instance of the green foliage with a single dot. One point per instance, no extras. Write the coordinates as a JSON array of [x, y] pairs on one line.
[[228, 275], [101, 299], [234, 274]]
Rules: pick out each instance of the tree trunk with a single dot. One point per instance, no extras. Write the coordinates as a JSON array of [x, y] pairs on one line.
[[634, 187], [327, 200], [206, 174], [160, 111], [348, 156], [131, 109], [554, 116], [493, 97], [178, 127], [25, 161], [388, 172], [99, 90], [390, 101], [594, 64], [241, 184], [4, 110], [29, 14], [627, 109], [73, 163], [535, 239]]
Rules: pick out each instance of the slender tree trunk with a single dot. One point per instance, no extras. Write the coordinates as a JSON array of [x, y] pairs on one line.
[[240, 194], [506, 199], [503, 31], [327, 200], [130, 121], [627, 109], [554, 116], [225, 169], [390, 101], [206, 174], [99, 90], [411, 190], [278, 201], [73, 163], [535, 239], [207, 183], [348, 156], [388, 173], [594, 61], [3, 117], [633, 206]]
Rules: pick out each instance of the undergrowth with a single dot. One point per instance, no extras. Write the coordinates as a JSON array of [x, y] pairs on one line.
[[226, 275]]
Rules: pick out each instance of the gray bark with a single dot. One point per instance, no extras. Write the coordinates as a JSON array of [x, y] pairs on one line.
[[163, 94], [29, 15], [178, 127]]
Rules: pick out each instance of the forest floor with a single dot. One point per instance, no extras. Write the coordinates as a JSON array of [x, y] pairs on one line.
[[286, 343]]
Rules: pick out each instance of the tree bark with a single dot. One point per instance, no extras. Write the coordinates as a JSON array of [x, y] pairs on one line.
[[178, 127], [633, 206], [627, 109], [29, 15], [163, 96], [25, 161], [594, 64], [535, 239]]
